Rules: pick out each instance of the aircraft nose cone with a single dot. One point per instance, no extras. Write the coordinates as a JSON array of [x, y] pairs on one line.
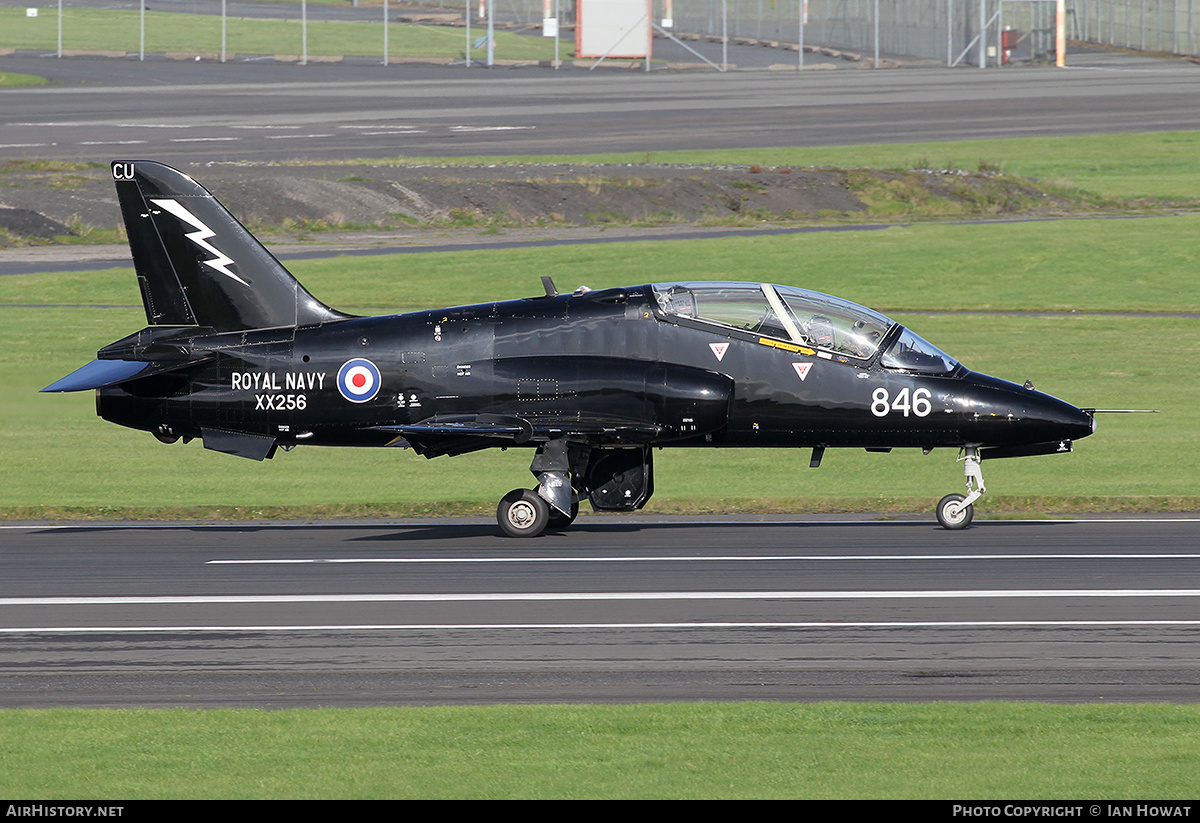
[[1064, 420], [1003, 413]]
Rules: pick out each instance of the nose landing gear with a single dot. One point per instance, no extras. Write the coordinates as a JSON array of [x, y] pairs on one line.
[[954, 511]]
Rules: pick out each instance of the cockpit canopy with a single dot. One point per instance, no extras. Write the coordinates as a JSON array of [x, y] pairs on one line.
[[804, 318]]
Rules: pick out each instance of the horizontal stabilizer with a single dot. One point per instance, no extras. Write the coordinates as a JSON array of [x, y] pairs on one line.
[[99, 373]]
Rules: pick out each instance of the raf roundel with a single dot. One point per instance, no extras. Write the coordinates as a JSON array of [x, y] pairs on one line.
[[358, 380]]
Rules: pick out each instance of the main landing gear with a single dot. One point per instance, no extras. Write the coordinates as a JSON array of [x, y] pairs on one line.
[[955, 511], [524, 513], [612, 479]]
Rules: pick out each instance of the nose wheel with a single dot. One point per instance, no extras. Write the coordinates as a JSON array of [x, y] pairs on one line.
[[954, 511]]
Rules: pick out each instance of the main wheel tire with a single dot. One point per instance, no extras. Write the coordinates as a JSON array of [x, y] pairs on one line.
[[951, 514], [558, 520], [523, 513]]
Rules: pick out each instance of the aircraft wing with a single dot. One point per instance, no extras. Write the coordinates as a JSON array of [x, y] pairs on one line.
[[458, 434]]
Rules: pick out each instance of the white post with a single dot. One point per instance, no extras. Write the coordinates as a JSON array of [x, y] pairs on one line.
[[802, 8], [385, 33], [982, 34], [222, 30], [1060, 33], [724, 40], [491, 58], [650, 30], [876, 64], [304, 32], [949, 34]]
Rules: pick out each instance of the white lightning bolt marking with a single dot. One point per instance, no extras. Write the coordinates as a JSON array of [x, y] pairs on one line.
[[220, 261]]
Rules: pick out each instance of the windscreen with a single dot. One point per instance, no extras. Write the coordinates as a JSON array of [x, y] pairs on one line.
[[912, 353]]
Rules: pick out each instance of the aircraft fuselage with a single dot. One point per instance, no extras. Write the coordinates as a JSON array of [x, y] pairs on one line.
[[609, 355]]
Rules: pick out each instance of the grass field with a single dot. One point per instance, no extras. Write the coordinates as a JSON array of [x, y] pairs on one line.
[[111, 30], [696, 751], [1159, 166]]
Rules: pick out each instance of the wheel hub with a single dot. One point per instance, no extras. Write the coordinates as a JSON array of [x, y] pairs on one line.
[[521, 515]]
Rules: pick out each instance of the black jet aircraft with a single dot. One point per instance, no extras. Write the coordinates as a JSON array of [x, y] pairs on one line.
[[238, 353]]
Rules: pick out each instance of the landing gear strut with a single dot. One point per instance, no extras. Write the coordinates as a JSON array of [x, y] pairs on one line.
[[553, 504], [955, 511], [558, 520]]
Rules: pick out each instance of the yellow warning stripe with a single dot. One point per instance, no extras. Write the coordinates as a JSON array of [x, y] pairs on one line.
[[779, 344]]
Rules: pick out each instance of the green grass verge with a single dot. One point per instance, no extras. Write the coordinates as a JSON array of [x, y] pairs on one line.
[[1145, 264], [118, 31], [749, 750], [63, 461], [10, 78], [1157, 166]]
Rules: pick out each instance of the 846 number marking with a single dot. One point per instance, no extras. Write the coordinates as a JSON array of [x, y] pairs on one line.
[[919, 404]]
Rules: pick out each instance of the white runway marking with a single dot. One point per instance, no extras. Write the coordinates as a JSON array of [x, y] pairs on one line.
[[367, 627], [813, 558], [496, 597], [491, 128]]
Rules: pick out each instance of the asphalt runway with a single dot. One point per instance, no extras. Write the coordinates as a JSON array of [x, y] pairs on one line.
[[614, 609], [206, 112]]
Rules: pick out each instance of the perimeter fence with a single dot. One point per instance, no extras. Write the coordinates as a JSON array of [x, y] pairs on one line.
[[1170, 26], [949, 32], [940, 30]]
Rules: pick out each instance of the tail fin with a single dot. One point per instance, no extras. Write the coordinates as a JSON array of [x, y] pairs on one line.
[[196, 264]]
